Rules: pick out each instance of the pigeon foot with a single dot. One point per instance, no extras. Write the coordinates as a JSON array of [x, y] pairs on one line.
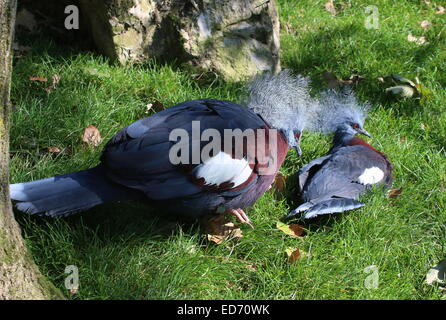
[[240, 215]]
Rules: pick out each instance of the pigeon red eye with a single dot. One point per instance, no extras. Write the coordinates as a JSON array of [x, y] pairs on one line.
[[355, 126], [297, 135]]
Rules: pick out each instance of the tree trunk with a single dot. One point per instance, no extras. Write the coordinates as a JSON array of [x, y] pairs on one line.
[[19, 276]]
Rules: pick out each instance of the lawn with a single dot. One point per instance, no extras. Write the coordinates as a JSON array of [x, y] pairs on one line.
[[128, 251]]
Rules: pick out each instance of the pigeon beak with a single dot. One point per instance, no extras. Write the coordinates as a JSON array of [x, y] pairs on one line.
[[364, 132], [298, 150]]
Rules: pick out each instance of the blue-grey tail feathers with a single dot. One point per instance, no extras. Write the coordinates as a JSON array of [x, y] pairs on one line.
[[70, 193], [333, 205]]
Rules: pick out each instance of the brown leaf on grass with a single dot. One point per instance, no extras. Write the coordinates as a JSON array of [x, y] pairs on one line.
[[394, 193], [252, 267], [292, 255], [289, 28], [425, 24], [440, 10], [333, 82], [158, 106], [293, 229], [92, 136], [297, 229], [39, 79], [403, 91], [53, 149], [279, 182], [329, 6], [218, 229], [56, 79], [404, 87], [400, 79]]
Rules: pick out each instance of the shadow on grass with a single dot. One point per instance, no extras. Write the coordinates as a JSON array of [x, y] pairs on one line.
[[321, 52], [113, 222]]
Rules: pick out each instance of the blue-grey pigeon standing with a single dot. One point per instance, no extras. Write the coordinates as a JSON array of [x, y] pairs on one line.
[[334, 182], [137, 162]]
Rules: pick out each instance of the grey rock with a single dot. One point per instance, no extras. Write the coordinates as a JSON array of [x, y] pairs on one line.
[[235, 39]]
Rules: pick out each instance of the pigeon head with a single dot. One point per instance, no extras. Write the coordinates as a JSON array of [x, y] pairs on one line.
[[284, 102], [341, 113]]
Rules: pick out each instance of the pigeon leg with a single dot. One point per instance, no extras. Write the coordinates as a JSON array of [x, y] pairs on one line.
[[240, 215]]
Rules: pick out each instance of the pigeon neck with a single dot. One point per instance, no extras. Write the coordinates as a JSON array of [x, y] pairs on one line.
[[342, 138]]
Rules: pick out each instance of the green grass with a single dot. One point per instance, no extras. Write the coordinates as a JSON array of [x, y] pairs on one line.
[[126, 251]]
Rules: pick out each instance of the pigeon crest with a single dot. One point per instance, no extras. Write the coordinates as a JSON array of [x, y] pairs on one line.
[[337, 108], [282, 100]]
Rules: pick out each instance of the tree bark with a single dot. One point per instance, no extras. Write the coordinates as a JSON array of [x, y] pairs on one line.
[[19, 276]]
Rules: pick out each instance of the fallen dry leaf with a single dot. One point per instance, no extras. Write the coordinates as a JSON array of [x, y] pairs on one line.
[[53, 149], [399, 78], [218, 229], [354, 79], [252, 267], [293, 229], [289, 28], [92, 136], [418, 40], [292, 255], [297, 229], [403, 91], [405, 88], [333, 82], [56, 79], [329, 6], [279, 182], [394, 193], [440, 10], [39, 79], [425, 24], [158, 106]]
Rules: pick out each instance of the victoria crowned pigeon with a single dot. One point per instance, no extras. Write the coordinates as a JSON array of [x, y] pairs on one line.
[[334, 182], [195, 158]]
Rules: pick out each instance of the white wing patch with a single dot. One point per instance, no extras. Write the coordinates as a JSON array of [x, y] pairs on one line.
[[371, 176], [222, 168]]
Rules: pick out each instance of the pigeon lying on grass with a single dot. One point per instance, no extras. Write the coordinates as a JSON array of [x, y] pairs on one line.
[[334, 182]]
